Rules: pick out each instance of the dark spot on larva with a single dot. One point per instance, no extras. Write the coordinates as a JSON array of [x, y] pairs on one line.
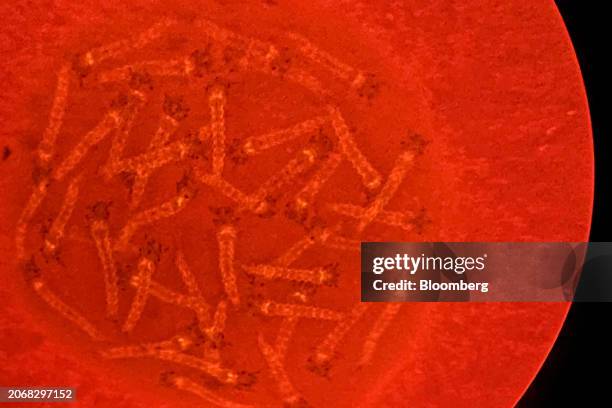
[[253, 304], [152, 250], [223, 215], [296, 213], [100, 210], [219, 82], [45, 226], [236, 153], [246, 379], [6, 152], [40, 174], [124, 272], [334, 274], [198, 151], [370, 87], [231, 58], [120, 101], [183, 184], [166, 377], [319, 367], [141, 81], [80, 68], [415, 142], [282, 62], [31, 270], [211, 382], [186, 186], [420, 221], [127, 178], [202, 60], [175, 107], [322, 142]]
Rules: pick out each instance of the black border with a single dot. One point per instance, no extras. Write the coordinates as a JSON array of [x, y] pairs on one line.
[[576, 370]]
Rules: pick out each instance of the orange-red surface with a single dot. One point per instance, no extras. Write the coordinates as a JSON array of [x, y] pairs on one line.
[[482, 100]]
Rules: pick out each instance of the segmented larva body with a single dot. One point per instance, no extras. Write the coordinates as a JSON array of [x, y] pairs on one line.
[[217, 129], [258, 144], [164, 210], [317, 276], [181, 67], [46, 148], [153, 159], [145, 271], [243, 200], [188, 385], [214, 369], [164, 294], [339, 243], [51, 299], [285, 333], [194, 302], [395, 179], [370, 176], [270, 308], [295, 251], [56, 232], [199, 304], [119, 48], [380, 326], [100, 234], [277, 370], [226, 238], [188, 277], [109, 122], [298, 165], [327, 349], [129, 113], [176, 343], [335, 66], [36, 198], [307, 194], [403, 220], [216, 329], [167, 126]]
